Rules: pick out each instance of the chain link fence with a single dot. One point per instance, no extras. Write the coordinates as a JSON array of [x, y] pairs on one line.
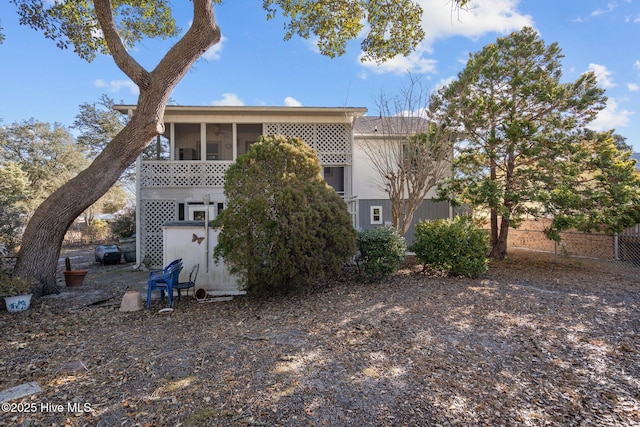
[[620, 252]]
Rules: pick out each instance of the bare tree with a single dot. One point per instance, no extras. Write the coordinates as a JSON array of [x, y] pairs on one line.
[[410, 153]]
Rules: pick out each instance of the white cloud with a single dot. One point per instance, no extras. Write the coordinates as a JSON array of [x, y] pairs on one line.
[[440, 21], [636, 65], [610, 7], [482, 17], [611, 117], [213, 53], [414, 63], [228, 99], [312, 44], [603, 75], [633, 19], [633, 87], [116, 85], [444, 82], [292, 102]]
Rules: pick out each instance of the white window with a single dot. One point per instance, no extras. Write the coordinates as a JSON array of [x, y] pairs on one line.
[[376, 214], [197, 212]]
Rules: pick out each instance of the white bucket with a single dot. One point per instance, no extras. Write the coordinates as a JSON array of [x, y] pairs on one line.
[[17, 303]]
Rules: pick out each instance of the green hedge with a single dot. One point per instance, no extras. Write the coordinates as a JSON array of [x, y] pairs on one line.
[[381, 251], [458, 247]]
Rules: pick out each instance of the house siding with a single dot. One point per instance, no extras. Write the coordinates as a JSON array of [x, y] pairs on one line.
[[427, 210], [168, 186]]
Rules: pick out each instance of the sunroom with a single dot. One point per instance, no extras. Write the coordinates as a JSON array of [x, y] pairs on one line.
[[180, 176]]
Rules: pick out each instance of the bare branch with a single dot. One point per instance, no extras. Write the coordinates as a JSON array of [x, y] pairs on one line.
[[409, 153]]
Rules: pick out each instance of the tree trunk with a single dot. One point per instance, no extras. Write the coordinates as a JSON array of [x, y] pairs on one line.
[[499, 249], [494, 227], [43, 237], [494, 212]]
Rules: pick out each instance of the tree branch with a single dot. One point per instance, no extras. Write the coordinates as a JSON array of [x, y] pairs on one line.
[[203, 33], [123, 60]]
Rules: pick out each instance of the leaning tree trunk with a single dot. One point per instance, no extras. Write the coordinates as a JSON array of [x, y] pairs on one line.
[[43, 237]]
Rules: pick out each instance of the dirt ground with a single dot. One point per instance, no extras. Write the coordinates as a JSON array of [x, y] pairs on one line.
[[535, 341]]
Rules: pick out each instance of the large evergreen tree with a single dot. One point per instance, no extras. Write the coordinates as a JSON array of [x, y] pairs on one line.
[[525, 147]]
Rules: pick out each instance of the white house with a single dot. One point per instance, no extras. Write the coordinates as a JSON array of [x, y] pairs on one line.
[[181, 175], [374, 206]]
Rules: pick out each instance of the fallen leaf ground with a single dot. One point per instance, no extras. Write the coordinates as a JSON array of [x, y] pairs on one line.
[[535, 341]]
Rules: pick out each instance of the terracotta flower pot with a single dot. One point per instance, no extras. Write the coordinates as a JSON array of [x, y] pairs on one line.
[[74, 277]]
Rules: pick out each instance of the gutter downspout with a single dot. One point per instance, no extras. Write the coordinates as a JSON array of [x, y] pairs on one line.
[[138, 204], [138, 207], [207, 200]]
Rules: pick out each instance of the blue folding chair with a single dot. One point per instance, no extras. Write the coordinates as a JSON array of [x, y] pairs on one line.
[[163, 281]]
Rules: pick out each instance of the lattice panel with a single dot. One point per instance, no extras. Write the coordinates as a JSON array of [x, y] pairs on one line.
[[180, 175], [152, 247], [183, 174], [334, 159], [304, 131], [333, 138], [153, 215], [214, 174], [331, 141], [155, 174]]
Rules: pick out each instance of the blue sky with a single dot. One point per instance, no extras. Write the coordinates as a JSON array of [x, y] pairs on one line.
[[254, 66]]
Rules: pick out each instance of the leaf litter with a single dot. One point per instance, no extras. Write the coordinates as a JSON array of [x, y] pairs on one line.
[[534, 341]]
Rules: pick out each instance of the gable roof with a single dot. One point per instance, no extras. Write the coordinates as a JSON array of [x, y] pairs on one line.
[[390, 125]]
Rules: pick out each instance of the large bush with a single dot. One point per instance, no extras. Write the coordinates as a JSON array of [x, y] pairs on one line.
[[283, 227], [124, 224], [381, 251], [458, 247]]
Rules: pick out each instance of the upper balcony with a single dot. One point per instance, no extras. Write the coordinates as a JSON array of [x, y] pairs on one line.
[[190, 155]]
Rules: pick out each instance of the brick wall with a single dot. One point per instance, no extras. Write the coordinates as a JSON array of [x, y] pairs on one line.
[[530, 235]]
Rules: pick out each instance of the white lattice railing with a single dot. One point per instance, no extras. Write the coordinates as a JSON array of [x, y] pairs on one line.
[[332, 142], [183, 173]]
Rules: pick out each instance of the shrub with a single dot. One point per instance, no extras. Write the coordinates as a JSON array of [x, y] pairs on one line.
[[381, 252], [283, 227], [97, 230], [11, 286], [458, 247], [124, 224]]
